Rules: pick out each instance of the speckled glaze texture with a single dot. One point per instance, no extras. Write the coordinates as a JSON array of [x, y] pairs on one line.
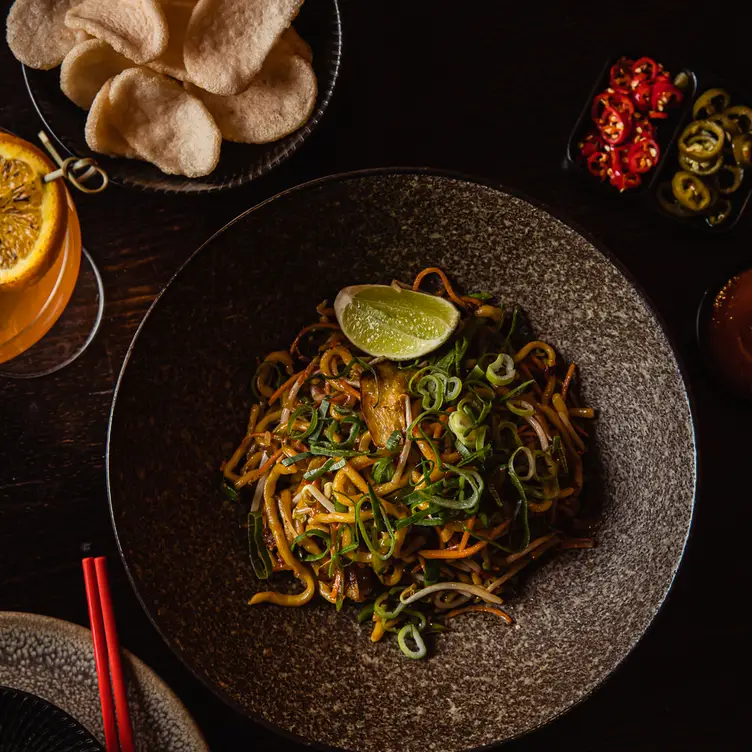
[[54, 660], [182, 405]]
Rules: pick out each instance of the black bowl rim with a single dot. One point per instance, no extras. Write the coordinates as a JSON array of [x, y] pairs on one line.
[[50, 707], [308, 128], [432, 172]]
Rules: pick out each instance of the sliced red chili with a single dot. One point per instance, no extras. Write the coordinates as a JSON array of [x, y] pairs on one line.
[[626, 180], [643, 156], [598, 164], [590, 144], [611, 98], [644, 69], [614, 126], [621, 72], [642, 128], [643, 95], [665, 95]]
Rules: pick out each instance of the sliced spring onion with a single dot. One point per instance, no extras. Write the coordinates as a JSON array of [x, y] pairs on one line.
[[524, 508], [410, 630], [393, 442], [260, 561], [382, 612], [311, 532], [383, 470], [433, 572], [329, 466], [287, 461], [502, 371], [463, 501], [521, 408], [431, 388], [517, 390], [325, 449], [299, 413], [228, 490], [365, 613], [530, 463], [466, 429]]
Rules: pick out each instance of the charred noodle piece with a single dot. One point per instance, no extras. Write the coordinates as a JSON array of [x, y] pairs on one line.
[[395, 484]]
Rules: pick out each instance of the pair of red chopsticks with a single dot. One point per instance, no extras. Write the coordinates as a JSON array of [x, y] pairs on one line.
[[118, 735]]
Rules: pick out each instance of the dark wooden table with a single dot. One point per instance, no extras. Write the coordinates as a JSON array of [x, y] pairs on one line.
[[487, 88]]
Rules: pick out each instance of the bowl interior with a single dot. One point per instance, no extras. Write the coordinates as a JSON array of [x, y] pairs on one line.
[[182, 406], [318, 23]]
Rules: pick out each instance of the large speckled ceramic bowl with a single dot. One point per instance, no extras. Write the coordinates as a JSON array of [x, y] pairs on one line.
[[54, 660], [182, 403]]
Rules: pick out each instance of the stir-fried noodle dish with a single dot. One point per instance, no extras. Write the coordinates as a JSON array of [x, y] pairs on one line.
[[418, 489]]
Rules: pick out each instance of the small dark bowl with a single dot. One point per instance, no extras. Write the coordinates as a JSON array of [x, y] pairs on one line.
[[670, 165], [181, 405], [31, 724], [704, 313], [666, 130], [318, 23]]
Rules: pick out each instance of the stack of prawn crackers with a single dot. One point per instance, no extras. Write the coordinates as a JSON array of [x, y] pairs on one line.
[[166, 80]]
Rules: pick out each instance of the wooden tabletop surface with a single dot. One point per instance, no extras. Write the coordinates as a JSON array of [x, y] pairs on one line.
[[487, 88]]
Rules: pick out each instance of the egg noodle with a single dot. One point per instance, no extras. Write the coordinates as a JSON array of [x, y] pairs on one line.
[[419, 489]]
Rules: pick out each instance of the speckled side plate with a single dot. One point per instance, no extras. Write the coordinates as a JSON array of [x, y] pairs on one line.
[[54, 660], [318, 23], [182, 404]]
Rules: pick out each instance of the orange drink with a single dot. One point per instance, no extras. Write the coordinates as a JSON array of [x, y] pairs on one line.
[[40, 246], [27, 315]]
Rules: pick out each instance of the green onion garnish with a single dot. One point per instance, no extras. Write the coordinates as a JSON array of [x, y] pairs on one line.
[[410, 630], [260, 561]]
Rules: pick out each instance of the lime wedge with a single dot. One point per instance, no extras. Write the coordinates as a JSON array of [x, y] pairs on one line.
[[393, 323]]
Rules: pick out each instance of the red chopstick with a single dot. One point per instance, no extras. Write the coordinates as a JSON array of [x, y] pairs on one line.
[[118, 735]]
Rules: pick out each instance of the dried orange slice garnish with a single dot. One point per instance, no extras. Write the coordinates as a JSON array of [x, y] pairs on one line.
[[33, 214]]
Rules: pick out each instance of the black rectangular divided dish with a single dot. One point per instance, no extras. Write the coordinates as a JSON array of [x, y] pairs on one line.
[[670, 164], [666, 130]]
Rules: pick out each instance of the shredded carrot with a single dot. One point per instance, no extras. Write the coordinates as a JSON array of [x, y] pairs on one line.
[[254, 475], [466, 535], [482, 609], [287, 385], [568, 380], [444, 280], [311, 328], [454, 553]]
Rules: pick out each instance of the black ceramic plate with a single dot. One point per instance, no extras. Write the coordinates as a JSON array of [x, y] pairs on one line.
[[182, 403], [31, 724], [318, 23]]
